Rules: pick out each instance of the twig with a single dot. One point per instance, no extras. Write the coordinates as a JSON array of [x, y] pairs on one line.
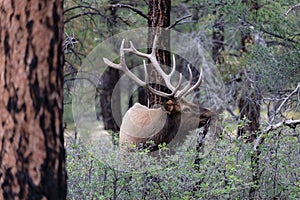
[[178, 21], [295, 7], [232, 113], [119, 5], [82, 14], [290, 123], [268, 32], [284, 101], [82, 7], [69, 41]]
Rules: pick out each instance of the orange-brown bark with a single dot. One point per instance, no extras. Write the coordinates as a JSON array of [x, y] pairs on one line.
[[32, 163]]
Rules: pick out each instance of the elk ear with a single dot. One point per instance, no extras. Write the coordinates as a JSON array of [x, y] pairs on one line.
[[168, 106]]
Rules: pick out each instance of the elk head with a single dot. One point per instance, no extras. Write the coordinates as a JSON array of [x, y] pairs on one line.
[[148, 127]]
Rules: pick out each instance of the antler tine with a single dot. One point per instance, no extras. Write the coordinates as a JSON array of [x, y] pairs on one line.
[[135, 51], [123, 67], [154, 62], [160, 93], [165, 76], [146, 73], [154, 91], [178, 84], [164, 94], [114, 65], [132, 49], [157, 92], [173, 67], [199, 81], [188, 86]]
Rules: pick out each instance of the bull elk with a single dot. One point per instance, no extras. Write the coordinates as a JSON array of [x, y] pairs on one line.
[[176, 117]]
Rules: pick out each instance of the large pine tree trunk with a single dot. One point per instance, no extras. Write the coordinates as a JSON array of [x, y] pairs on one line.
[[32, 156]]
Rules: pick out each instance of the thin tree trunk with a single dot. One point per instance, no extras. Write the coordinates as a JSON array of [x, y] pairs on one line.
[[109, 79], [218, 37], [249, 106], [32, 155]]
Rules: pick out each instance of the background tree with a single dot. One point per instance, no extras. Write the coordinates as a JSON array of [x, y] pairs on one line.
[[159, 17], [218, 36], [32, 155], [108, 81]]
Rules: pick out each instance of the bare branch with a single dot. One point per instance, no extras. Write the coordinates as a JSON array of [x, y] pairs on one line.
[[285, 100], [69, 41], [137, 11], [178, 21], [82, 14], [290, 123], [295, 7], [262, 29], [230, 111], [81, 7]]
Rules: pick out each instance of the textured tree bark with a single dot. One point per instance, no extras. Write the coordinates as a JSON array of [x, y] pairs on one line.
[[109, 79], [218, 37], [249, 106], [159, 17], [32, 155]]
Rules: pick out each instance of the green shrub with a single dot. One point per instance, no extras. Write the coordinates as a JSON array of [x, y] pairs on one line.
[[225, 173]]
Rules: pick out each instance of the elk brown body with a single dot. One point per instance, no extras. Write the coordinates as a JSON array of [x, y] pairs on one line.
[[145, 127], [141, 125]]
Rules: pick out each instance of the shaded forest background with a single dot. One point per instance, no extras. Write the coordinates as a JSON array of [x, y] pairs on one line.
[[255, 46]]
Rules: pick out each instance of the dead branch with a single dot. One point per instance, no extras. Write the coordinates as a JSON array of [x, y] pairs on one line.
[[137, 11], [262, 29], [178, 21], [285, 100], [295, 7], [82, 7], [82, 14], [291, 123], [69, 41]]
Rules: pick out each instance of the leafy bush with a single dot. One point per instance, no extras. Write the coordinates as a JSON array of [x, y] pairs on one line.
[[225, 172]]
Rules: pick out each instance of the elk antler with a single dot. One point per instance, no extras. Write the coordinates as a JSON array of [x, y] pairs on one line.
[[123, 67], [179, 94]]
